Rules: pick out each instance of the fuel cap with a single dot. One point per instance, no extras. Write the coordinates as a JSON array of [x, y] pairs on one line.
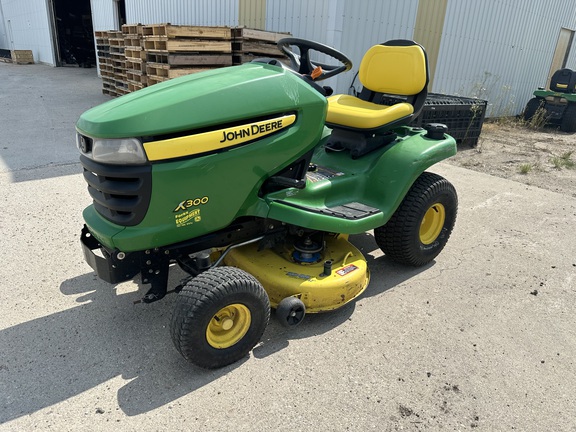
[[435, 130]]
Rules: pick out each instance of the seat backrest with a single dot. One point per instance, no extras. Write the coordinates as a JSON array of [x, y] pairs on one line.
[[396, 67], [563, 81]]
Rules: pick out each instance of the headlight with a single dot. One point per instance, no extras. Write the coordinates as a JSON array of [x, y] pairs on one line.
[[112, 151]]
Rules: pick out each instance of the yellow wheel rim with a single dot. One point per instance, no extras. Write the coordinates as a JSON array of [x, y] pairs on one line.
[[432, 223], [228, 326]]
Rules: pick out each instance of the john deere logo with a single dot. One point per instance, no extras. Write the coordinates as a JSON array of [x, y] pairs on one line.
[[219, 139], [252, 130]]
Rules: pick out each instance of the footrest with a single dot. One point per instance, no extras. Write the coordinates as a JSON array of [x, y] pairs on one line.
[[349, 211]]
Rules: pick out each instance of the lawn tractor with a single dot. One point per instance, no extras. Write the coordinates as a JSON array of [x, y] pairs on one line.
[[555, 106], [250, 178]]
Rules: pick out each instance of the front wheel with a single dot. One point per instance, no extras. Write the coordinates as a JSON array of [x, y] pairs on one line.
[[220, 315], [532, 107], [421, 226]]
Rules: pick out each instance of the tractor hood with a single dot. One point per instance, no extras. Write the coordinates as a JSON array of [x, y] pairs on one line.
[[201, 100]]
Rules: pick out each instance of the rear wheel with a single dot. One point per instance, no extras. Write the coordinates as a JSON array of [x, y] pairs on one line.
[[421, 226], [569, 118], [219, 317]]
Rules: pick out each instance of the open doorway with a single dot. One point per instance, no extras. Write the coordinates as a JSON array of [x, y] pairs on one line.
[[120, 13], [74, 33]]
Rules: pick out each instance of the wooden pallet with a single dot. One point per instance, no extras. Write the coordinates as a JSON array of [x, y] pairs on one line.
[[22, 57], [249, 44], [242, 33], [164, 44], [154, 79], [134, 53], [183, 59], [134, 86], [133, 41], [167, 71], [132, 29], [197, 32], [135, 65], [136, 76]]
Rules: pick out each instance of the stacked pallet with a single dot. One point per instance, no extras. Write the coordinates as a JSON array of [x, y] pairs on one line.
[[143, 55], [105, 62], [118, 58], [250, 44], [173, 51], [135, 57]]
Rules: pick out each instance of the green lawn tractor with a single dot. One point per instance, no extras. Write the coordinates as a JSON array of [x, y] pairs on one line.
[[555, 106], [250, 178]]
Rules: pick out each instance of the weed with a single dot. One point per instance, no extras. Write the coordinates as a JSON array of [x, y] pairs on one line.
[[525, 168], [539, 119], [563, 161]]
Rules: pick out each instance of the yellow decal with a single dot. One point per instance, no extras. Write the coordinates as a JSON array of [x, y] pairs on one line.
[[214, 140], [191, 203], [187, 218]]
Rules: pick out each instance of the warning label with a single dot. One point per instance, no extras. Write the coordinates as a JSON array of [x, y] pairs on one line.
[[348, 269]]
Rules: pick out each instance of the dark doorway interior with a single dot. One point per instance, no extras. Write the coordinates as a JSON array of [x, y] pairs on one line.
[[73, 23], [121, 4]]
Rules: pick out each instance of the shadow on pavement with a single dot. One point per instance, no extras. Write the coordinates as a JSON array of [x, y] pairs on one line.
[[53, 358]]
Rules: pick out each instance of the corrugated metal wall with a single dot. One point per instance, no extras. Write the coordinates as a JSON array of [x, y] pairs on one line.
[[4, 43], [500, 50], [104, 15], [180, 12], [349, 26], [27, 25], [493, 49]]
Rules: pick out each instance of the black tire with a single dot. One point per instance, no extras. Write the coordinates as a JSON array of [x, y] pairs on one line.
[[408, 238], [219, 316], [531, 108], [290, 311], [569, 118]]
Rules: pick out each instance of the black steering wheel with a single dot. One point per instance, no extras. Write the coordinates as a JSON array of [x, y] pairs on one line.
[[302, 63]]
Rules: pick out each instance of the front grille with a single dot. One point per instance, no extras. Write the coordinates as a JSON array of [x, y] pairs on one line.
[[121, 194]]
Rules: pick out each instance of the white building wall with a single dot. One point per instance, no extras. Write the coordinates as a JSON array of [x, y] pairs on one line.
[[4, 44], [27, 27], [499, 50], [183, 12], [349, 26], [104, 15]]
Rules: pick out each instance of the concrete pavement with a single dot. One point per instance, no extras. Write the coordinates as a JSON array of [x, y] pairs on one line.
[[484, 338]]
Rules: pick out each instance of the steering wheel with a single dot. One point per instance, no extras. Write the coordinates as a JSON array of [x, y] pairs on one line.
[[302, 63]]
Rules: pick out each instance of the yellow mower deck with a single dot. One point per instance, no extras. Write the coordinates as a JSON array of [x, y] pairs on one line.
[[282, 277]]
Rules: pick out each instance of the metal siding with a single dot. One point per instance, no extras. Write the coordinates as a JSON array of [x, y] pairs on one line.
[[349, 26], [370, 22], [252, 14], [500, 51], [4, 43], [28, 28], [104, 15], [183, 12]]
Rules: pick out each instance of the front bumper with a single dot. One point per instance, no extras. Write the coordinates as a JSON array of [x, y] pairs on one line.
[[107, 266]]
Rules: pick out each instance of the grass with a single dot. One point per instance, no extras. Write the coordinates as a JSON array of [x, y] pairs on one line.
[[538, 120], [525, 168], [563, 161]]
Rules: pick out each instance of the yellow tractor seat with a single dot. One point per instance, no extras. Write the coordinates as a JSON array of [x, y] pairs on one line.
[[397, 67], [356, 113], [396, 71]]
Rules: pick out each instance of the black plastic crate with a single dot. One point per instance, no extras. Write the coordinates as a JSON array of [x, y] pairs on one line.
[[463, 116]]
